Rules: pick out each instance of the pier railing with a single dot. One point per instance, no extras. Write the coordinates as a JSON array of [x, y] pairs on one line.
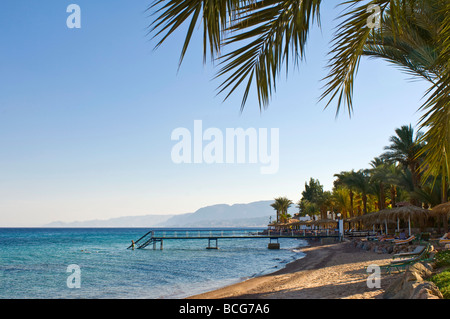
[[155, 236], [205, 233], [186, 234]]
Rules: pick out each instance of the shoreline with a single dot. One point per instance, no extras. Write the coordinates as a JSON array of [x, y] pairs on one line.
[[329, 271]]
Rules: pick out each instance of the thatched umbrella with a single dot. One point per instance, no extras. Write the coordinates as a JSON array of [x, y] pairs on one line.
[[298, 223], [385, 216], [442, 211], [324, 222], [374, 218], [410, 213], [405, 212], [291, 222]]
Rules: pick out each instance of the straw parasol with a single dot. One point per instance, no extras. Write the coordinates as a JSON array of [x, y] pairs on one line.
[[289, 223], [323, 221], [302, 222], [404, 212], [442, 211]]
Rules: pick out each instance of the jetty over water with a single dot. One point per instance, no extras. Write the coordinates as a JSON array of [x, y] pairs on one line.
[[154, 237]]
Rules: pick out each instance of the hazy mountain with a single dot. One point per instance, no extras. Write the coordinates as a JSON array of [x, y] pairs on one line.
[[238, 215], [128, 221], [252, 214]]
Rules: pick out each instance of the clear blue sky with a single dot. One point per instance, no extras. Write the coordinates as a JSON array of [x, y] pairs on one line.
[[86, 117]]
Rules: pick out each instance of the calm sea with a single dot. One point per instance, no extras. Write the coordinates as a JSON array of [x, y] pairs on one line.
[[34, 263]]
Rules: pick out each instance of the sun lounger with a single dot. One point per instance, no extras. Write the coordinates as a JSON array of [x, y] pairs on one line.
[[384, 238], [404, 241], [402, 264], [415, 252], [444, 240]]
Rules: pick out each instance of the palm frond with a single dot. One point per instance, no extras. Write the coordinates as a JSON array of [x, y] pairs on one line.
[[436, 119], [268, 34], [347, 49], [216, 17]]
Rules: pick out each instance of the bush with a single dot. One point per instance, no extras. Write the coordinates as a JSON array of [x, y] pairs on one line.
[[442, 281], [443, 258]]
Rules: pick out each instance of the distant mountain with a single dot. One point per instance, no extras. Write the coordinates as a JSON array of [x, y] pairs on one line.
[[129, 221], [256, 214], [223, 215]]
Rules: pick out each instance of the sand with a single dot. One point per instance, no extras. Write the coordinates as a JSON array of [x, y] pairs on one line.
[[334, 271]]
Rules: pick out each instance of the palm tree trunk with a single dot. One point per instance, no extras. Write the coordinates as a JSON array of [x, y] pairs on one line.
[[444, 190], [393, 194], [382, 196], [351, 204], [364, 199]]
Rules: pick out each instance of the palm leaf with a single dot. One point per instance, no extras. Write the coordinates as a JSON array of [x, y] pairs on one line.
[[268, 34]]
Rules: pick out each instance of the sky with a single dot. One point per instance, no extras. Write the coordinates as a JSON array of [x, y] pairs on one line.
[[87, 115]]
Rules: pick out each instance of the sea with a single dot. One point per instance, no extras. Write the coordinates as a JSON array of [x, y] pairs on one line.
[[94, 263]]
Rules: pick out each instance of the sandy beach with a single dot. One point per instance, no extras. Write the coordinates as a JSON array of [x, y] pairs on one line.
[[334, 271]]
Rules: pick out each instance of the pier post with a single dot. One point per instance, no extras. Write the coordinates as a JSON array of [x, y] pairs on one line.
[[274, 245], [161, 247], [209, 244]]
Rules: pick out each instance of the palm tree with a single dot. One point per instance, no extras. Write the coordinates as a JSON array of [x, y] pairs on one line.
[[265, 35], [393, 179], [379, 176], [355, 182], [344, 180], [281, 205], [360, 180], [341, 201], [307, 207], [405, 149], [419, 51]]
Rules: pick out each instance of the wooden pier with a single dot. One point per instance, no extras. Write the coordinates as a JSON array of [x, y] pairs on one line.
[[153, 237]]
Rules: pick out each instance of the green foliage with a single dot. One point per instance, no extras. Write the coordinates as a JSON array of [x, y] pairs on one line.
[[281, 205], [443, 258], [442, 281], [314, 199]]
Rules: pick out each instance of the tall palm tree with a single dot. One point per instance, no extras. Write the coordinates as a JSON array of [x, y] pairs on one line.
[[379, 176], [393, 179], [281, 205], [419, 52], [360, 180], [344, 180], [265, 35], [341, 201], [405, 148]]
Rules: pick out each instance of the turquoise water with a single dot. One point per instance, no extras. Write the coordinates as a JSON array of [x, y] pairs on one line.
[[34, 262]]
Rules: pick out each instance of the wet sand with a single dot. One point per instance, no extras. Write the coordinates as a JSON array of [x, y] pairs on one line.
[[334, 271]]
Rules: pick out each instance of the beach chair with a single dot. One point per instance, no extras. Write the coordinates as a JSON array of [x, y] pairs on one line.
[[404, 241], [403, 264], [444, 240], [384, 238], [415, 252]]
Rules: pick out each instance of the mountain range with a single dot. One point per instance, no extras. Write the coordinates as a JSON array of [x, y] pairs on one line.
[[255, 214]]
